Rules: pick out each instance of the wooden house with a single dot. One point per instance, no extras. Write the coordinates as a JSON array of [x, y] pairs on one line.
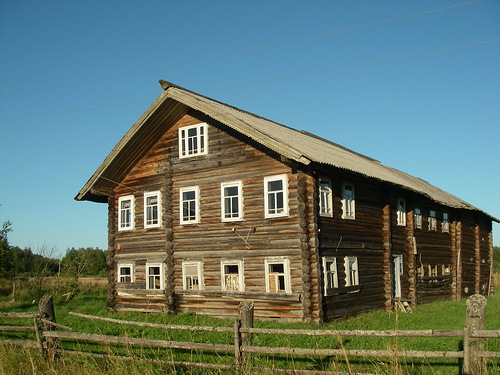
[[210, 205]]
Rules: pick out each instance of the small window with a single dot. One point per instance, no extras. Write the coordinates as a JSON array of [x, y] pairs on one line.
[[193, 140], [432, 220], [418, 218], [277, 275], [189, 205], [330, 273], [192, 275], [348, 202], [232, 275], [351, 271], [325, 197], [126, 273], [401, 212], [446, 223], [154, 276], [231, 201], [152, 209], [126, 212], [276, 196]]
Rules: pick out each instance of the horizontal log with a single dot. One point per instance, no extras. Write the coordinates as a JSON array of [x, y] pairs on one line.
[[22, 343], [16, 329], [365, 333], [21, 315], [293, 297]]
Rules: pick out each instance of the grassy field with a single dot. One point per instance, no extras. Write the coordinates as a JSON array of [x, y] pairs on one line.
[[436, 315]]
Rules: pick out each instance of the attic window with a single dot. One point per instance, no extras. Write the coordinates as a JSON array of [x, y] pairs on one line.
[[193, 140]]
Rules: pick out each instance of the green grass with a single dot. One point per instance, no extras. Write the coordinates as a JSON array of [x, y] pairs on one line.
[[436, 315]]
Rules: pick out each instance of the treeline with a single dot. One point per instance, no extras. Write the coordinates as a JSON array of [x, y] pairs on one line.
[[17, 262]]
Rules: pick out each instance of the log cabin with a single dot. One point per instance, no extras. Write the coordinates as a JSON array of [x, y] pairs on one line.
[[210, 205]]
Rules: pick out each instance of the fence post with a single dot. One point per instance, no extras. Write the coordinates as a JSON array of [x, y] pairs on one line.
[[46, 307], [474, 320], [245, 311]]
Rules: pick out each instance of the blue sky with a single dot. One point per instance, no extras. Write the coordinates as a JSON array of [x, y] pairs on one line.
[[414, 84]]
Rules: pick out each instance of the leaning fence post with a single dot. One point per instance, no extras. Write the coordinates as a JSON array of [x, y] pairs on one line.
[[46, 307], [474, 320], [245, 311]]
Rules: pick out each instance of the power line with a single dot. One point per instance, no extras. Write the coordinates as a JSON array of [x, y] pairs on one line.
[[248, 50]]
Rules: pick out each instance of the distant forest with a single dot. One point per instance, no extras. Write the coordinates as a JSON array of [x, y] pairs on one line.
[[17, 262]]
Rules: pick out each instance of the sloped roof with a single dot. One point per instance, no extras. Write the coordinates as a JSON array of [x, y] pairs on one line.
[[296, 145]]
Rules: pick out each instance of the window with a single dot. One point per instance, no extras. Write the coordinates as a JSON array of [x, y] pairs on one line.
[[193, 140], [418, 218], [276, 196], [192, 275], [445, 226], [126, 212], [331, 279], [232, 275], [126, 273], [154, 276], [351, 271], [401, 212], [152, 209], [277, 275], [348, 203], [231, 201], [432, 220], [190, 205], [325, 197]]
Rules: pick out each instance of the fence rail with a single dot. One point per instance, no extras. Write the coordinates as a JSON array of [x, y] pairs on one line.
[[48, 340]]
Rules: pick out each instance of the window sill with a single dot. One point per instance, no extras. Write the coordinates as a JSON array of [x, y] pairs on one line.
[[241, 295], [344, 290]]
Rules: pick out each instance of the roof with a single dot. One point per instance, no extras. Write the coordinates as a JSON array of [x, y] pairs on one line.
[[299, 146]]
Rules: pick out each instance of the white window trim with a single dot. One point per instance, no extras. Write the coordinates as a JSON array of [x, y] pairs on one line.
[[162, 276], [348, 271], [327, 287], [224, 185], [158, 197], [345, 214], [132, 210], [418, 218], [329, 198], [286, 271], [284, 179], [204, 151], [199, 270], [132, 272], [401, 212], [241, 279], [445, 225], [196, 189], [432, 220]]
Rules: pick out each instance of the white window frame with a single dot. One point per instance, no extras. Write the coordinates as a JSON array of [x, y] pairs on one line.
[[351, 273], [121, 224], [445, 225], [432, 220], [268, 262], [348, 201], [401, 212], [147, 211], [151, 283], [418, 218], [224, 198], [196, 218], [120, 277], [198, 264], [330, 277], [325, 197], [239, 276], [278, 212], [187, 148]]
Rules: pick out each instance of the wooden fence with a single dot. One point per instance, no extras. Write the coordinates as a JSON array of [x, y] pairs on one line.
[[50, 341]]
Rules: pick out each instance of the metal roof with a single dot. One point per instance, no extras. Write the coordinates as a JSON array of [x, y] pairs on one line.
[[296, 145]]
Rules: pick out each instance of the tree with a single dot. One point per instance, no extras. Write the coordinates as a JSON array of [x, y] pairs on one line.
[[84, 262], [5, 250]]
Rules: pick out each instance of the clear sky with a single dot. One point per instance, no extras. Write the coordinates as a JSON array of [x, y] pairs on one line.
[[414, 84]]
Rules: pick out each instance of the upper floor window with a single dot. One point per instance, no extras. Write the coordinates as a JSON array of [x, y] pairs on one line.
[[277, 275], [232, 201], [276, 196], [432, 220], [125, 273], [154, 276], [351, 271], [401, 212], [331, 279], [446, 223], [348, 202], [325, 197], [192, 275], [126, 212], [152, 209], [232, 275], [189, 198], [193, 140], [418, 218]]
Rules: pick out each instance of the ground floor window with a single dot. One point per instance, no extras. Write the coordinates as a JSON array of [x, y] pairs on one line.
[[351, 271], [330, 274], [154, 276], [125, 273], [277, 275], [192, 275], [232, 275]]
